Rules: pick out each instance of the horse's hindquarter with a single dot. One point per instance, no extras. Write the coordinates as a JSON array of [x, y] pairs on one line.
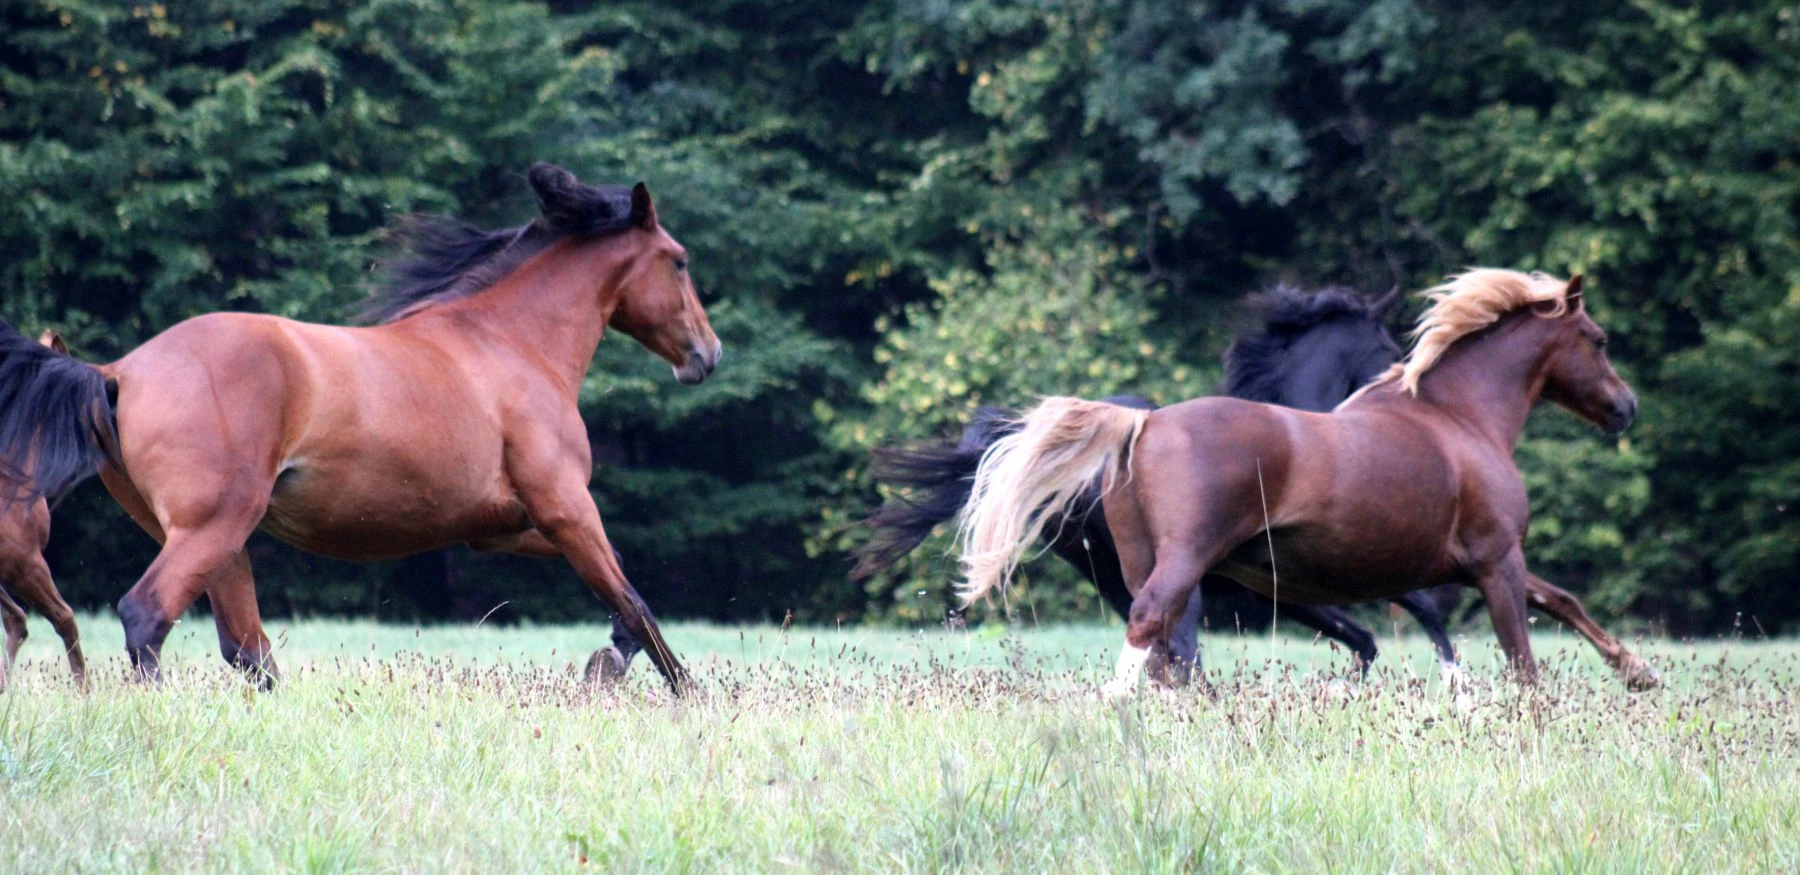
[[367, 442]]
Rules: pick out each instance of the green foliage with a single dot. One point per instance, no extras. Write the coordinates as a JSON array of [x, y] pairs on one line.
[[1655, 150], [903, 209], [1056, 314]]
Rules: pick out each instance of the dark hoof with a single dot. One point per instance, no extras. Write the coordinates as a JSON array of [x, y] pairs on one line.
[[263, 677], [1638, 674], [606, 666]]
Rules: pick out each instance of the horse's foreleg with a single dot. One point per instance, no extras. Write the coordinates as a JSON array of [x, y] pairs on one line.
[[236, 615], [1564, 606], [607, 664], [573, 526], [1504, 588]]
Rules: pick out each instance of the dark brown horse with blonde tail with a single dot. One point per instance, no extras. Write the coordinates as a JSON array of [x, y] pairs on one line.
[[1410, 483], [452, 420], [24, 531]]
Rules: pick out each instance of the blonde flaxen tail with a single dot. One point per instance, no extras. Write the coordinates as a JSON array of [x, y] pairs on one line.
[[1033, 475]]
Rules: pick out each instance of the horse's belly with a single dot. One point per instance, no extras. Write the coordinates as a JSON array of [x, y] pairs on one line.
[[1323, 568], [384, 518]]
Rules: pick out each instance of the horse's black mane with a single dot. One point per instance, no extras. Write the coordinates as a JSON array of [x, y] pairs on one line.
[[440, 258], [1253, 361]]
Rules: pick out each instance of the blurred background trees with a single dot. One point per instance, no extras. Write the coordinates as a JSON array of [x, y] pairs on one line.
[[905, 209]]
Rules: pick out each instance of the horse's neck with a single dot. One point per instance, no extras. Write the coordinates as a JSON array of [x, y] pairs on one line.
[[1313, 378], [551, 305], [1489, 382]]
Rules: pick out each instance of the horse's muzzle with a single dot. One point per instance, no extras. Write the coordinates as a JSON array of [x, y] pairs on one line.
[[699, 365], [1622, 415]]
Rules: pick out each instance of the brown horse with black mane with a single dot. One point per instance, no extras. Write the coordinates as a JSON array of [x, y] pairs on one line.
[[1410, 483], [453, 420]]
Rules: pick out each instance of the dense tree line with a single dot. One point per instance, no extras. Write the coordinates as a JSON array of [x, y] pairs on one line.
[[903, 209]]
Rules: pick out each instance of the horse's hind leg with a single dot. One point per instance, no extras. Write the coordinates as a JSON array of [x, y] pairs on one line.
[[1564, 606], [242, 640], [1336, 624], [192, 561], [1424, 610], [1184, 640], [37, 588], [13, 617]]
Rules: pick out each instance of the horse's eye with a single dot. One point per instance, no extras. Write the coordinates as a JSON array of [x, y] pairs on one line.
[[681, 264]]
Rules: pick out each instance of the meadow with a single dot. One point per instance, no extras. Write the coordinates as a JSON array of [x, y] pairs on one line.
[[465, 748]]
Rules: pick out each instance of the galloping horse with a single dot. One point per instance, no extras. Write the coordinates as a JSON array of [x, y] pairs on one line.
[[1410, 483], [1310, 351], [452, 420], [24, 531]]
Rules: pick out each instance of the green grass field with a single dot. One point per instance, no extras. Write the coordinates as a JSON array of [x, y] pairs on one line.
[[388, 748]]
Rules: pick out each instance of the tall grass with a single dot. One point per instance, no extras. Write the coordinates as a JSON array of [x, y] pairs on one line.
[[462, 748]]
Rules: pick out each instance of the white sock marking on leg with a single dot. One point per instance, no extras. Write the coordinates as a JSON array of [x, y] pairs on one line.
[[1125, 677]]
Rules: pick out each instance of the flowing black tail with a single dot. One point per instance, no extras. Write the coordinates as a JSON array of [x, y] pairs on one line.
[[939, 479], [56, 419]]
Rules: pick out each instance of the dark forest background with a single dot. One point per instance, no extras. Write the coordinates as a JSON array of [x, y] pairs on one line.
[[899, 210]]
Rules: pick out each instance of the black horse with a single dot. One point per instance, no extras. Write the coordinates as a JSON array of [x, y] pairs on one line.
[[1310, 351]]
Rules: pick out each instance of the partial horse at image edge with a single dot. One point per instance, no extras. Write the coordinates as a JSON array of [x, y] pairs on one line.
[[25, 531]]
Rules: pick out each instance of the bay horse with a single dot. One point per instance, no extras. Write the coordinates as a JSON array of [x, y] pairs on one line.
[[1410, 483], [1309, 351], [451, 419], [24, 532]]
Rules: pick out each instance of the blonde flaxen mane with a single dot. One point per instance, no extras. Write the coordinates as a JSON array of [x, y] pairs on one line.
[[1463, 305]]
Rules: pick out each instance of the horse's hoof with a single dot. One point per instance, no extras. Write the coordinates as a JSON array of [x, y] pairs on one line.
[[1455, 679], [1639, 675], [1118, 689], [606, 666], [1181, 672]]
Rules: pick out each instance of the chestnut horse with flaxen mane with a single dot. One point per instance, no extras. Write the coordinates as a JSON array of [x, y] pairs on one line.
[[452, 420], [1409, 483]]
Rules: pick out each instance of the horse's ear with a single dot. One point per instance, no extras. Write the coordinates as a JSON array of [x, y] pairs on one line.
[[1572, 293], [554, 186], [643, 209], [1379, 309], [53, 340]]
